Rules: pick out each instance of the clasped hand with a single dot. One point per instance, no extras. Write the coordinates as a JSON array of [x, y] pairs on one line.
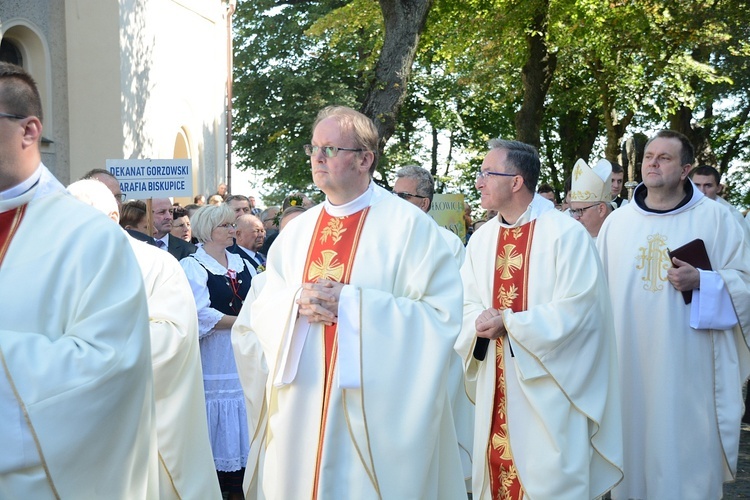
[[319, 301], [489, 324]]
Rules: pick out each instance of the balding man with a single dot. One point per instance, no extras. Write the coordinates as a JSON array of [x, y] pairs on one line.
[[249, 236]]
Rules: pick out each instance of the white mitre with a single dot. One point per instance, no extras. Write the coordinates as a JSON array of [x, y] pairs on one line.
[[591, 184]]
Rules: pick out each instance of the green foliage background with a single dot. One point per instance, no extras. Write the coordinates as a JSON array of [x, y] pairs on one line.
[[623, 67]]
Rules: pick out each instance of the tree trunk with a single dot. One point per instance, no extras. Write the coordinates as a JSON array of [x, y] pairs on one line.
[[536, 77], [404, 23], [681, 121], [577, 136]]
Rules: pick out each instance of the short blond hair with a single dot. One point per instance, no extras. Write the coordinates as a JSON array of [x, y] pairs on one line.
[[207, 218], [363, 130]]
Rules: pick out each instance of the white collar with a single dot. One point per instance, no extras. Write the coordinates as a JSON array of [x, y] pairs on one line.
[[352, 207], [22, 188], [234, 262], [537, 207]]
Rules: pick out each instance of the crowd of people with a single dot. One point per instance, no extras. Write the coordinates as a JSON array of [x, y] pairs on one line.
[[356, 349]]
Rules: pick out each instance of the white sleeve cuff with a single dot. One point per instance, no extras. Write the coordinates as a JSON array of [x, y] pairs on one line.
[[711, 307]]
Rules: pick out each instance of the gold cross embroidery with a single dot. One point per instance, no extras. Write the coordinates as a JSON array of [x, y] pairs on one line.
[[577, 172], [326, 268], [508, 261]]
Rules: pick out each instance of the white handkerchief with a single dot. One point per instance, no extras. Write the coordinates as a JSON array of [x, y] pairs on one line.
[[349, 360], [294, 341]]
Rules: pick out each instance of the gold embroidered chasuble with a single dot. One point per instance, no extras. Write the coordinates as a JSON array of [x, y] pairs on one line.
[[510, 288], [330, 256]]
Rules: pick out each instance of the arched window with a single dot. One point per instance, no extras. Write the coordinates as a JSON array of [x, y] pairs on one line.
[[9, 53]]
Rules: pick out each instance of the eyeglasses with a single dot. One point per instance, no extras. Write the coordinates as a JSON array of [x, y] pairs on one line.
[[328, 151], [121, 197], [485, 174], [578, 212], [406, 196], [14, 117], [227, 225]]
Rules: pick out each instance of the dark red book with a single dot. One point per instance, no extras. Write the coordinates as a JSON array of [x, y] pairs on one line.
[[694, 253]]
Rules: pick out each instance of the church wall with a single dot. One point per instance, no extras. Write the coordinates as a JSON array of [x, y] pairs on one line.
[[123, 78]]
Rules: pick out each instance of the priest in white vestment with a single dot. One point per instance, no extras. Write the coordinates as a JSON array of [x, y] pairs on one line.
[[537, 343], [682, 365], [358, 337], [186, 468], [76, 394]]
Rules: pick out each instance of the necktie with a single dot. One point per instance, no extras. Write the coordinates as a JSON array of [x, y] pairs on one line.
[[161, 244]]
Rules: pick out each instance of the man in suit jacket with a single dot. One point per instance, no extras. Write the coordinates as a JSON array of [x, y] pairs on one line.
[[162, 211], [249, 238]]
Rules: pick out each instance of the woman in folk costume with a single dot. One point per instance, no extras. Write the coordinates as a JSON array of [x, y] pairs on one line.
[[220, 281]]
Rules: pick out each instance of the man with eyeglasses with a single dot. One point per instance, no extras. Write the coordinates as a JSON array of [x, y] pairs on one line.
[[682, 331], [162, 212], [109, 180], [76, 393], [537, 343], [416, 185], [357, 319], [590, 195]]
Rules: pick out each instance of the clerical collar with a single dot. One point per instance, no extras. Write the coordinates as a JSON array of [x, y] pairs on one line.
[[354, 206], [692, 196], [24, 187], [539, 204]]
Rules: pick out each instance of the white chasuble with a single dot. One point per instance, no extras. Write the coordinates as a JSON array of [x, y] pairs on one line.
[[389, 432], [563, 416], [186, 466], [681, 387], [75, 356]]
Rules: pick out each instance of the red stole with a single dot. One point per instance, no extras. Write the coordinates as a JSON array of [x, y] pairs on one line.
[[510, 287], [330, 256], [9, 222]]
